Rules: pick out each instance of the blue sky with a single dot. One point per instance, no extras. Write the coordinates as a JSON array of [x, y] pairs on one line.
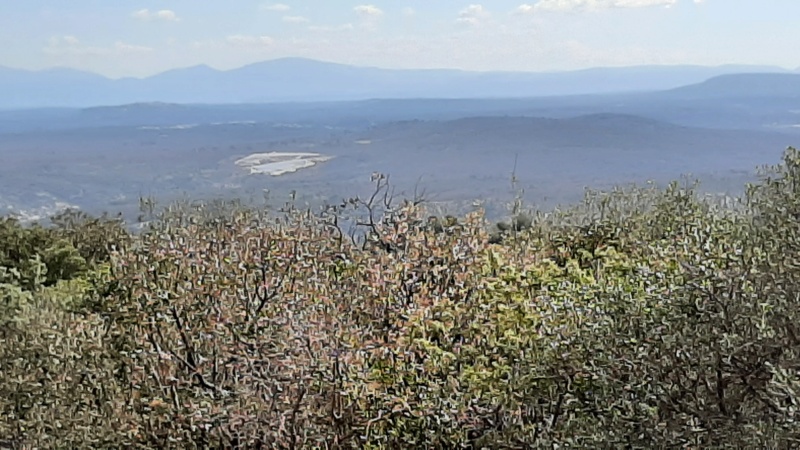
[[139, 38]]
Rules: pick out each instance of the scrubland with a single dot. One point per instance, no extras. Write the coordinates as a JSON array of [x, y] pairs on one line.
[[640, 318]]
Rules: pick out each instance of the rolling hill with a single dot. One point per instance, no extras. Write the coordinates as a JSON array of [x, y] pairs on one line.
[[741, 85], [108, 168]]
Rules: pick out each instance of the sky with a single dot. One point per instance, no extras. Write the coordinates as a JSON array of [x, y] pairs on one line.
[[121, 38]]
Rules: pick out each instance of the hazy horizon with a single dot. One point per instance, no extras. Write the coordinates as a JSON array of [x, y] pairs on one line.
[[535, 36], [367, 66]]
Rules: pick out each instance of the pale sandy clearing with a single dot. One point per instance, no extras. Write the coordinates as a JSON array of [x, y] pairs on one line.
[[278, 163]]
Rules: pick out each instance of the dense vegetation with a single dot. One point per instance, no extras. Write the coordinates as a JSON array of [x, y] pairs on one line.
[[642, 318]]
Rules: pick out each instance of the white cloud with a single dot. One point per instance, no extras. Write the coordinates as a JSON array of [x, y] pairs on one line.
[[142, 14], [409, 12], [331, 28], [473, 11], [166, 15], [368, 11], [572, 5], [370, 16], [70, 40], [71, 46], [295, 19], [472, 15], [280, 7], [57, 41], [127, 49], [525, 8], [239, 40]]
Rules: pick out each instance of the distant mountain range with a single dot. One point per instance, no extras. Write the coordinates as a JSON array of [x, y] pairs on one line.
[[741, 85], [297, 79]]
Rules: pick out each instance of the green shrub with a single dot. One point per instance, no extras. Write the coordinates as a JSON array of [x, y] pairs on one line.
[[640, 318]]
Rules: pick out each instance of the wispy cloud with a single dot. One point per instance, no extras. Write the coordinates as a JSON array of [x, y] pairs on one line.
[[279, 7], [409, 12], [525, 8], [578, 5], [68, 40], [127, 49], [239, 40], [295, 19], [72, 46], [368, 11], [370, 16], [472, 15], [331, 28], [166, 15]]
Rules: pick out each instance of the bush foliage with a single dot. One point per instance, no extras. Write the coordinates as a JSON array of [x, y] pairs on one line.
[[642, 318]]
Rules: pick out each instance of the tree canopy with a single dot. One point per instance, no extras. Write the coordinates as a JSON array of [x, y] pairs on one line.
[[640, 318]]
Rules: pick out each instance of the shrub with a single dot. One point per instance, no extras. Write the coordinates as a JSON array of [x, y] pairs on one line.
[[641, 318]]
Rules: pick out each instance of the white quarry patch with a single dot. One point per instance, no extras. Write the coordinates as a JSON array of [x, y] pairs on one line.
[[186, 126], [39, 213], [277, 163]]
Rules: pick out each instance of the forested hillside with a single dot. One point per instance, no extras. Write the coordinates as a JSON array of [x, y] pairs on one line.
[[641, 318]]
